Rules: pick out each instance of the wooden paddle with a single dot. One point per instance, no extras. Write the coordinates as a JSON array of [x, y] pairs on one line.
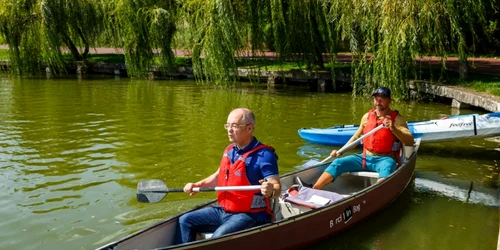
[[313, 163], [149, 191]]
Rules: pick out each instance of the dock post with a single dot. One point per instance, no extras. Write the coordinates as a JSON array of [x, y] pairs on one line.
[[272, 79], [48, 72], [459, 105], [151, 76], [81, 68], [321, 85]]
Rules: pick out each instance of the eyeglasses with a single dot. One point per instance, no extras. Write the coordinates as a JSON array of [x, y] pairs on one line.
[[234, 125]]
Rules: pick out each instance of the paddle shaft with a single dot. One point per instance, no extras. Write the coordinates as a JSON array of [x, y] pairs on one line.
[[347, 146], [207, 189]]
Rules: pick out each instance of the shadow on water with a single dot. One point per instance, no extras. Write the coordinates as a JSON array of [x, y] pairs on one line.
[[461, 150], [368, 233], [422, 219]]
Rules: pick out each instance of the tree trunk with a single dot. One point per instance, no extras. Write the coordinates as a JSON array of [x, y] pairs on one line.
[[463, 68], [318, 47], [72, 48], [85, 42]]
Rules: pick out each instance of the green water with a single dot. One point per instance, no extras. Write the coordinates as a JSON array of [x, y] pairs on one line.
[[72, 152]]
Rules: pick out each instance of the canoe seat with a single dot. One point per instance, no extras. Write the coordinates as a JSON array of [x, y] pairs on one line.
[[364, 174], [371, 177], [204, 235]]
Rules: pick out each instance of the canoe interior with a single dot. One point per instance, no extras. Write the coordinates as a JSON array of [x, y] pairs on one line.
[[353, 188]]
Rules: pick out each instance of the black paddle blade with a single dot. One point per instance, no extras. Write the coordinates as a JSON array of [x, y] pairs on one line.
[[151, 191]]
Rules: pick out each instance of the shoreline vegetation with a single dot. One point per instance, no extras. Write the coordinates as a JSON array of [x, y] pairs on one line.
[[382, 37], [487, 83]]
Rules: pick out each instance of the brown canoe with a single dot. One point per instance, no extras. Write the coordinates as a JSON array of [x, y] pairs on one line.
[[296, 227]]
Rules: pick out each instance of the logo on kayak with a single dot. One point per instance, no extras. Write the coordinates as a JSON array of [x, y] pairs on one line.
[[461, 124]]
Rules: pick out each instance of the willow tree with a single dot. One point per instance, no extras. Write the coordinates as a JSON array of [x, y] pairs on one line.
[[386, 36], [223, 30], [20, 26], [301, 30], [143, 28], [74, 25]]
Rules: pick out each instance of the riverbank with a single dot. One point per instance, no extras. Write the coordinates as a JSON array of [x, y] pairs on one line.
[[481, 89]]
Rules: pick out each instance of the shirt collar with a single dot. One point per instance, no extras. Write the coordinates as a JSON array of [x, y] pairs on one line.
[[247, 148]]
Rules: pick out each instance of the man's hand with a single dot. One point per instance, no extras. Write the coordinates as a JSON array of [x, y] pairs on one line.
[[266, 188], [335, 153], [189, 188], [388, 123]]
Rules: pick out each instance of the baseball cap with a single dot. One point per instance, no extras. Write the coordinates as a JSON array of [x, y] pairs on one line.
[[383, 91]]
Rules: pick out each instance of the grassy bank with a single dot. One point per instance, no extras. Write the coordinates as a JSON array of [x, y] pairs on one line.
[[484, 83]]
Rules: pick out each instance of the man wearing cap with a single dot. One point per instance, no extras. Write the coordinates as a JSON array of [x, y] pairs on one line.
[[379, 149]]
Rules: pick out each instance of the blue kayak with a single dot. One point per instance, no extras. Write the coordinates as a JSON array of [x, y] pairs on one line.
[[446, 129]]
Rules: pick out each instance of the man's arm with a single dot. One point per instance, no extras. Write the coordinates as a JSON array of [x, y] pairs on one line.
[[276, 187], [358, 133], [401, 131], [210, 181], [271, 185]]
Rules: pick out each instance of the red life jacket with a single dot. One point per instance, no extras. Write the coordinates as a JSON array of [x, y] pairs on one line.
[[235, 175], [382, 141]]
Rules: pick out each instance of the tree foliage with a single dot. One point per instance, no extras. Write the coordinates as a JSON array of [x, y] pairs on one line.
[[20, 26], [387, 35], [37, 30], [384, 36], [72, 24], [222, 30], [142, 28]]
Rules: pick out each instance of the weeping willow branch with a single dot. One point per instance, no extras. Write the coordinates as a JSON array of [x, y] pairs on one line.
[[384, 36], [387, 35], [142, 28], [70, 24], [19, 24], [222, 29]]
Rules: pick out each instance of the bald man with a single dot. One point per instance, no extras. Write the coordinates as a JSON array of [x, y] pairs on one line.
[[246, 161]]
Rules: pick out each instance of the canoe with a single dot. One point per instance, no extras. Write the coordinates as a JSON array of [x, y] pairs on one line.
[[296, 226], [447, 129]]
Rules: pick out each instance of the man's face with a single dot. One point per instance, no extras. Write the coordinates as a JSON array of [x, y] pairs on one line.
[[381, 103], [238, 131]]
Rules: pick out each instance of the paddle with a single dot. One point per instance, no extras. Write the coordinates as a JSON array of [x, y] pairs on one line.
[[150, 191], [312, 163]]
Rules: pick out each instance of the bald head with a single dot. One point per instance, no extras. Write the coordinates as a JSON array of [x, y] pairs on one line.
[[246, 115]]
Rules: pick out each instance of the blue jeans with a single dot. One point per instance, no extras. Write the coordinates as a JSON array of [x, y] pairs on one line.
[[384, 165], [212, 219]]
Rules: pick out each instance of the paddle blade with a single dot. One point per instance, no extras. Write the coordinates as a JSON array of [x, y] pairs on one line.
[[308, 164], [151, 191]]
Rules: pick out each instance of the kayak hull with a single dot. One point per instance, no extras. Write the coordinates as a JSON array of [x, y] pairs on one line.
[[449, 129]]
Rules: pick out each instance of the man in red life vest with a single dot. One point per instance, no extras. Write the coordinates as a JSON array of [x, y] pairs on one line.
[[378, 149], [245, 162]]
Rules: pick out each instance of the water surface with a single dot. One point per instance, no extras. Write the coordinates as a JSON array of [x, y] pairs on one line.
[[72, 152]]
